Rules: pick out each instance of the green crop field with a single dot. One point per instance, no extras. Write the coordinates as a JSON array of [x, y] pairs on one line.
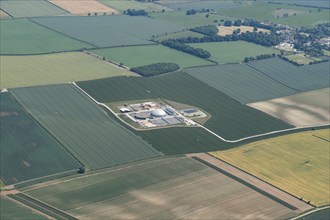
[[228, 118], [211, 5], [172, 141], [12, 210], [233, 52], [109, 31], [297, 163], [31, 8], [307, 3], [171, 188], [303, 109], [27, 150], [82, 126], [21, 36], [181, 34], [124, 5], [241, 82], [266, 11], [144, 55], [187, 21], [303, 78], [299, 58], [21, 71]]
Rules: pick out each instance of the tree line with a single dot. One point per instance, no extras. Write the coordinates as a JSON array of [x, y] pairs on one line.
[[206, 30], [265, 39], [172, 43], [134, 12], [155, 69]]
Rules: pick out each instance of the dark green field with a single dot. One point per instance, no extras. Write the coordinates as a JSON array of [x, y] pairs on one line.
[[319, 215], [109, 31], [27, 150], [81, 126], [241, 82], [230, 119], [173, 141], [21, 36], [303, 78]]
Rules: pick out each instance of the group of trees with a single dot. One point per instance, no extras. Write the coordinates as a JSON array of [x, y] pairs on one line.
[[265, 39], [133, 12], [195, 11], [172, 43], [248, 22], [259, 57], [210, 30], [155, 69], [306, 39]]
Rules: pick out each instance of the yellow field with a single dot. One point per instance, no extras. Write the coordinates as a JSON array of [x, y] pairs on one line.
[[83, 7], [297, 163], [223, 30]]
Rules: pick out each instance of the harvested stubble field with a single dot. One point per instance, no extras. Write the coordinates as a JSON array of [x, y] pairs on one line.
[[22, 36], [303, 78], [31, 8], [82, 126], [265, 12], [233, 52], [230, 119], [223, 30], [27, 150], [21, 71], [297, 163], [240, 82], [159, 189], [12, 210], [109, 31], [123, 5], [83, 7], [144, 55], [303, 109]]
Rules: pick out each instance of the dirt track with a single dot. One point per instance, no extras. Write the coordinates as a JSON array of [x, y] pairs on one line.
[[263, 186]]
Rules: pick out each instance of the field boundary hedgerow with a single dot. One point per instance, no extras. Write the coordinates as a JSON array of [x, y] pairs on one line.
[[260, 179], [42, 207], [244, 182], [85, 42], [278, 81]]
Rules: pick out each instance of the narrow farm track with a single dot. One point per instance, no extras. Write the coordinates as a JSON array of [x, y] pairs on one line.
[[29, 207], [257, 184], [42, 207], [310, 212]]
